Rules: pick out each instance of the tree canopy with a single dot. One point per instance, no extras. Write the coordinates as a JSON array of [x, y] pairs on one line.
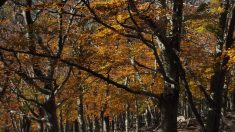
[[117, 65]]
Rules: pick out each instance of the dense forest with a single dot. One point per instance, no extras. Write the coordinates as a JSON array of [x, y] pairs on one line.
[[117, 65]]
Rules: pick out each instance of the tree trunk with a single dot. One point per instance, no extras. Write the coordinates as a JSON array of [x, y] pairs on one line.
[[106, 124], [147, 118], [75, 126], [214, 113], [96, 125], [50, 109], [153, 115], [89, 124], [224, 42], [66, 126], [40, 123], [61, 122], [169, 109], [114, 124], [233, 100], [25, 124], [170, 66], [127, 118], [6, 127], [225, 97], [136, 115], [81, 120]]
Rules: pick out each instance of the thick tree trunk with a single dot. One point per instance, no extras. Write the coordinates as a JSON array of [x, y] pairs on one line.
[[96, 125], [75, 126], [40, 124], [66, 126], [170, 96], [106, 124], [114, 124], [224, 40], [214, 113], [25, 124], [169, 109], [170, 65], [50, 109], [89, 124]]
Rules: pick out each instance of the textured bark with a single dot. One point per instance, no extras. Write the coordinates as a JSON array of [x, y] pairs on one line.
[[66, 126], [170, 96], [89, 124], [147, 118], [218, 79], [106, 127], [169, 109], [25, 124], [170, 63], [214, 113], [75, 126], [114, 124], [81, 120], [50, 109], [96, 125]]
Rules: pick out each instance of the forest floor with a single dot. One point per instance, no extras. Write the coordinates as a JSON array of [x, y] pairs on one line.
[[191, 125], [228, 124]]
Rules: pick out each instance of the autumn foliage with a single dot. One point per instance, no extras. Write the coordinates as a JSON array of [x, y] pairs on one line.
[[105, 65]]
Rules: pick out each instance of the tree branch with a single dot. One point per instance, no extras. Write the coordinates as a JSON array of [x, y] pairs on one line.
[[126, 88]]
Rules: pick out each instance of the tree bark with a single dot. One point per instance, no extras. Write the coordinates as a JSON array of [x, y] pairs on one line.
[[50, 111], [75, 126], [214, 113], [96, 125], [127, 118], [66, 126], [136, 115], [106, 123], [169, 109], [224, 40], [81, 120], [25, 124], [61, 122], [233, 100]]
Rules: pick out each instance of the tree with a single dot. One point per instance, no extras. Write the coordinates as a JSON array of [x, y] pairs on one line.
[[114, 65], [224, 42]]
